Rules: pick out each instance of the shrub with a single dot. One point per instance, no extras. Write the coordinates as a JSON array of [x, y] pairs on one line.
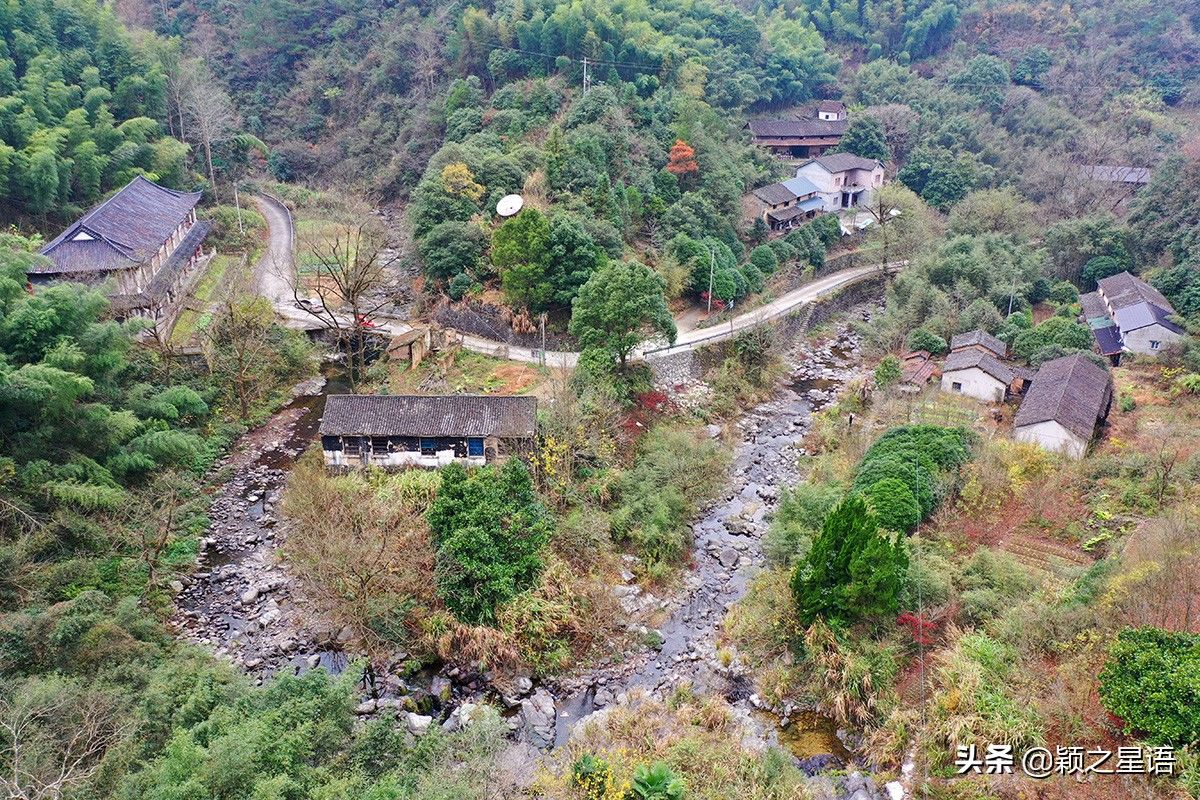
[[1150, 682], [925, 339], [656, 781], [674, 472], [800, 514], [764, 259], [489, 529], [888, 372], [894, 505], [852, 571]]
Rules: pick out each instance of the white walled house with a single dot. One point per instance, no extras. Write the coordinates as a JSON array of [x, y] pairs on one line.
[[1066, 400], [843, 180], [403, 431], [1126, 314], [977, 374]]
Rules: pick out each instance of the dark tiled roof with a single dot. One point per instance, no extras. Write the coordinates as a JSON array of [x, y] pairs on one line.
[[122, 232], [831, 105], [968, 359], [784, 214], [1123, 290], [1108, 340], [1093, 305], [918, 368], [841, 162], [800, 128], [979, 338], [1024, 373], [440, 415], [1142, 315], [1110, 173], [774, 194], [1071, 391]]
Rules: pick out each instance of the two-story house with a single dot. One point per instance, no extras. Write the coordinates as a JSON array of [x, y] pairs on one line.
[[843, 180], [1126, 314]]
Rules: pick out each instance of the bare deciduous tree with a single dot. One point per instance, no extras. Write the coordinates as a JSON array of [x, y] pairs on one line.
[[54, 735], [211, 112], [350, 280], [239, 350]]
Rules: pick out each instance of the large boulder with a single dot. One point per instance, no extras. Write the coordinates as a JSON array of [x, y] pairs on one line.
[[538, 718]]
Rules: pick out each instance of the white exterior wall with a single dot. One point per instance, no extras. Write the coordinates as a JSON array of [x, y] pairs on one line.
[[400, 460], [1053, 437], [975, 383], [831, 186], [1138, 341]]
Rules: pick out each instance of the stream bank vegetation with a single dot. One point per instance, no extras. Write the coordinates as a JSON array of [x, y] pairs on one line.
[[1036, 596]]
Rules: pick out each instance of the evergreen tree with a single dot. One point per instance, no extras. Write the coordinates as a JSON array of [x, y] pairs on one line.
[[865, 138], [853, 571]]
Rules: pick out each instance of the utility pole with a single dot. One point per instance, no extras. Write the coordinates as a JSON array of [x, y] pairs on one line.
[[587, 82], [1012, 292], [711, 268], [543, 320]]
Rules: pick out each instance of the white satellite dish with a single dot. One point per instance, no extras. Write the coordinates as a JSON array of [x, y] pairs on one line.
[[509, 205]]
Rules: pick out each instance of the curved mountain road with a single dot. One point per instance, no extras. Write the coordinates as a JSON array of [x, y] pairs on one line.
[[275, 274]]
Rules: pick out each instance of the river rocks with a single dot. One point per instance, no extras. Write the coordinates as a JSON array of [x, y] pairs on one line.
[[366, 707], [538, 718], [417, 724], [728, 558], [440, 688], [249, 596]]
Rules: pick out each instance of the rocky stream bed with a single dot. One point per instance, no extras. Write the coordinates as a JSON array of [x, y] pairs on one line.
[[244, 605]]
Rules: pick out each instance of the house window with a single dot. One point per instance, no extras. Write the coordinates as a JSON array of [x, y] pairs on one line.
[[474, 447], [352, 445], [331, 443], [956, 386], [379, 445], [1154, 344], [428, 447]]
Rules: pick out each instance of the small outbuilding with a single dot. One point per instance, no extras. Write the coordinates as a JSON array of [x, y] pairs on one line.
[[398, 431], [1068, 397]]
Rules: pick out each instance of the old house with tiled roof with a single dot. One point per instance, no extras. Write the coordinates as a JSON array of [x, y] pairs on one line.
[[977, 373], [144, 242], [1128, 315], [979, 340], [1068, 397], [811, 136], [398, 431], [976, 368], [784, 205]]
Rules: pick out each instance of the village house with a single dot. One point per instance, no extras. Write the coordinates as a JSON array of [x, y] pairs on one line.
[[398, 431], [1066, 400], [917, 368], [782, 206], [144, 241], [802, 138], [1128, 315], [977, 374], [843, 180], [975, 368]]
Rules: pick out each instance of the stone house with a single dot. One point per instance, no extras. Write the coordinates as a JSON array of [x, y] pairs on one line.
[[843, 180], [1068, 397], [399, 431]]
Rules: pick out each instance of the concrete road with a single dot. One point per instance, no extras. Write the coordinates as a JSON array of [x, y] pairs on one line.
[[276, 272]]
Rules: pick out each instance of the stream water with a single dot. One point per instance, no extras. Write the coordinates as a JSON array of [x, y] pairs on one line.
[[727, 555], [242, 603]]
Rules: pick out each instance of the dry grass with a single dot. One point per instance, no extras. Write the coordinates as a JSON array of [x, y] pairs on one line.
[[698, 739]]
